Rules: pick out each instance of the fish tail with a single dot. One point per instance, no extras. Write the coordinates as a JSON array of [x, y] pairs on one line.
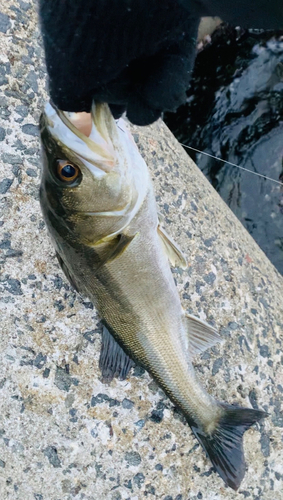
[[224, 446]]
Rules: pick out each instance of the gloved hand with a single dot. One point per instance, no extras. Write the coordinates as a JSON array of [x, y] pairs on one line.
[[137, 55], [133, 54]]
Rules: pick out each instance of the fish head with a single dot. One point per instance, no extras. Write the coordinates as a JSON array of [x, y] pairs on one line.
[[94, 179]]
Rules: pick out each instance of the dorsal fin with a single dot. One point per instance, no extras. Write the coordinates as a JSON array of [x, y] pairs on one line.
[[173, 252], [201, 335]]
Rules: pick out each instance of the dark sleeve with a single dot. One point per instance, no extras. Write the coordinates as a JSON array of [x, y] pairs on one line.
[[134, 54], [261, 14]]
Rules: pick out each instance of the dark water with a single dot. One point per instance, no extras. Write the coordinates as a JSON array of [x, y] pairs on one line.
[[235, 111]]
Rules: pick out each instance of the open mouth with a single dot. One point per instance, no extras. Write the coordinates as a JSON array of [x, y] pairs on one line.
[[82, 121], [85, 134]]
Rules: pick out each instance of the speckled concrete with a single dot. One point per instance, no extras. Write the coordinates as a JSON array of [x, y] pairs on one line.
[[63, 434]]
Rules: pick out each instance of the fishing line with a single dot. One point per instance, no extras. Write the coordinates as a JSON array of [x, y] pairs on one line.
[[233, 164]]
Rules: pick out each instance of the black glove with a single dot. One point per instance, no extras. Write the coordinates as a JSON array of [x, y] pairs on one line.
[[137, 55], [134, 54]]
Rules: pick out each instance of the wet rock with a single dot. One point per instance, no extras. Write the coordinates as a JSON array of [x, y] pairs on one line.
[[234, 112]]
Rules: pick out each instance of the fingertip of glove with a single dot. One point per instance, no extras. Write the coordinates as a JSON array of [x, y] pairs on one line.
[[140, 113], [117, 110], [69, 102]]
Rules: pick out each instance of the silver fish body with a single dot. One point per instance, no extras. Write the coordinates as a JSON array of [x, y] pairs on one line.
[[105, 229]]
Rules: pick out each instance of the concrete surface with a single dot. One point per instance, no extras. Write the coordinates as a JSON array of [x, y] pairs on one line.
[[63, 434]]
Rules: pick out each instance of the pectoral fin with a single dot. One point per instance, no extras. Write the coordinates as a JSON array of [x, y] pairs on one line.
[[173, 252], [109, 250], [113, 361], [201, 335], [123, 241]]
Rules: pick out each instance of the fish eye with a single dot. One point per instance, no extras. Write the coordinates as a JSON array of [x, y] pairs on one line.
[[66, 171]]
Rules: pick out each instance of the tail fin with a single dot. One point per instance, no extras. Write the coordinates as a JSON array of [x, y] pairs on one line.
[[224, 446]]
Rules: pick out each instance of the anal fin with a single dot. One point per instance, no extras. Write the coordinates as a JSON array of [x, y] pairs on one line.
[[113, 361], [201, 335], [173, 252]]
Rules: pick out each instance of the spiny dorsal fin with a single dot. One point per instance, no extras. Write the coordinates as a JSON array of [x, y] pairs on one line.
[[201, 335], [173, 252]]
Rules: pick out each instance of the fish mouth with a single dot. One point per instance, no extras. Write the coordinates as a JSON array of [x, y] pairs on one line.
[[88, 136], [82, 122]]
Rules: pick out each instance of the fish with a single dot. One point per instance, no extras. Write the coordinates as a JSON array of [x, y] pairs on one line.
[[99, 206]]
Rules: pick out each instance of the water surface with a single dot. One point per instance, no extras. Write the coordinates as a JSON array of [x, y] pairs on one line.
[[235, 111]]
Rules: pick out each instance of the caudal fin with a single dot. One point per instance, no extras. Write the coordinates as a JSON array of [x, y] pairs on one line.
[[224, 446]]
